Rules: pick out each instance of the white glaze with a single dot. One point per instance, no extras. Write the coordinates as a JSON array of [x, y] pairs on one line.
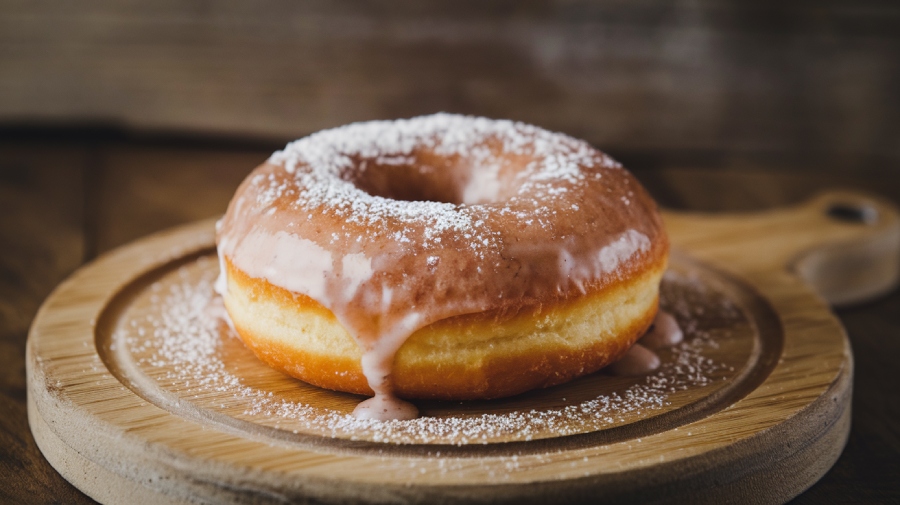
[[636, 361], [539, 219], [664, 332], [385, 407], [641, 358]]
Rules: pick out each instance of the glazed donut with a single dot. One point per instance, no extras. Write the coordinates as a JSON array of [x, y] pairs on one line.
[[442, 257]]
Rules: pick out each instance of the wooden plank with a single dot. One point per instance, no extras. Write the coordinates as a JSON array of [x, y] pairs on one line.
[[142, 189], [41, 225], [805, 78]]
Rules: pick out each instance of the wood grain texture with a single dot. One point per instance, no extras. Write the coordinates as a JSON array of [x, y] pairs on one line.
[[809, 78], [819, 241], [143, 190], [42, 244], [682, 179], [796, 418]]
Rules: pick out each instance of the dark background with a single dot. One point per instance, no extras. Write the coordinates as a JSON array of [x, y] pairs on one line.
[[813, 81], [119, 118]]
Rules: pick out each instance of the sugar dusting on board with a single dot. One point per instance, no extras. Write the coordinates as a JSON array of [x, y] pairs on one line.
[[181, 342]]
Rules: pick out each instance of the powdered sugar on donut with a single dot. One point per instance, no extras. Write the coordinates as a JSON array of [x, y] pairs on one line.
[[393, 225]]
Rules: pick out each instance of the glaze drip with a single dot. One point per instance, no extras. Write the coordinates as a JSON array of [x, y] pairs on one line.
[[664, 332], [641, 358], [395, 225]]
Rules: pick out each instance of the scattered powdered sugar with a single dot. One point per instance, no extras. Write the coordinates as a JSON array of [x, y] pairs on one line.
[[180, 342], [329, 153], [323, 164]]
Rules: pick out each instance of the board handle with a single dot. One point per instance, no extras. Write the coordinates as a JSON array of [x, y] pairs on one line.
[[844, 244]]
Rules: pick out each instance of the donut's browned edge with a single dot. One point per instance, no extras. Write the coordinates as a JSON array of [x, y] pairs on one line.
[[493, 374]]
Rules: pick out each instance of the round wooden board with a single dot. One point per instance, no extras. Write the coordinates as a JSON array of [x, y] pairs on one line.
[[138, 395]]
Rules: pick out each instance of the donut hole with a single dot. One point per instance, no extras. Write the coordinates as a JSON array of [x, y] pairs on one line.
[[433, 178], [410, 183]]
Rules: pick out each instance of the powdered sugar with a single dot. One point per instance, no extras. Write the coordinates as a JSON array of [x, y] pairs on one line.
[[331, 152], [176, 341], [321, 162]]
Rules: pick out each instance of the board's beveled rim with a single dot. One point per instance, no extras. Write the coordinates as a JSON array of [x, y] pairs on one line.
[[55, 348]]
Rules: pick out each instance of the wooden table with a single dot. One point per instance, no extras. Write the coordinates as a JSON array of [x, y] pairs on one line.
[[69, 195]]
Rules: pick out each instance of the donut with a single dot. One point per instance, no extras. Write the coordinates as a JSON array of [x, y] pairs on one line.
[[440, 257]]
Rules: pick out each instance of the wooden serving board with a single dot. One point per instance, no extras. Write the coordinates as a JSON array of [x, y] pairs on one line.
[[138, 394]]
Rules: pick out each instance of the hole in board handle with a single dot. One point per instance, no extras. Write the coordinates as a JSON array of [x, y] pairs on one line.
[[853, 212]]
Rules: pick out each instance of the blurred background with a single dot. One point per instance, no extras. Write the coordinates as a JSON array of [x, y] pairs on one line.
[[811, 82], [120, 118]]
